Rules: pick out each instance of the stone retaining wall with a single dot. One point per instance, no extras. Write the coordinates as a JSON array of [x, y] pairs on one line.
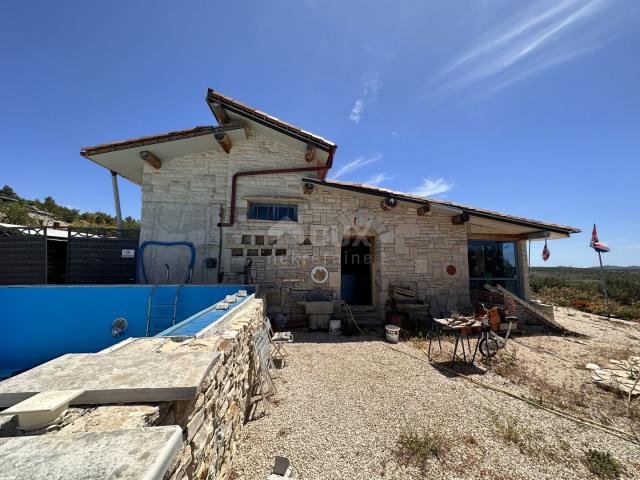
[[211, 422]]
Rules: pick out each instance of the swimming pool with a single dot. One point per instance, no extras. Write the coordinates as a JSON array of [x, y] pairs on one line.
[[39, 323]]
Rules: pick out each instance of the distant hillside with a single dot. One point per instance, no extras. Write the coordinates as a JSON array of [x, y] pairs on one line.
[[581, 288], [23, 211]]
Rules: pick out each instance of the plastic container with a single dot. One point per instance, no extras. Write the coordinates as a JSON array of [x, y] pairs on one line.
[[335, 327], [393, 333]]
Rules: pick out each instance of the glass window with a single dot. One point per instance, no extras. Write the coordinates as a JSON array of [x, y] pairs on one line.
[[494, 263], [273, 212]]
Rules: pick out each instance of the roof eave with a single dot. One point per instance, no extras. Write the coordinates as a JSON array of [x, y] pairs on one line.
[[266, 120], [381, 193]]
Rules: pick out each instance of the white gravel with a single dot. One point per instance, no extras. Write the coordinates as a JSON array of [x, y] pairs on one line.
[[342, 404]]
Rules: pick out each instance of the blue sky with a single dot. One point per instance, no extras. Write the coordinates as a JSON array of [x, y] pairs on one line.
[[532, 108]]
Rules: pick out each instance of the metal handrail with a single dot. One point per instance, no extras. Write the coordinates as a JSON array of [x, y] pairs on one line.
[[152, 294], [185, 279]]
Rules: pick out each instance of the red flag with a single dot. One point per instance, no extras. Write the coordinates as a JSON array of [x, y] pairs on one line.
[[545, 251], [596, 244]]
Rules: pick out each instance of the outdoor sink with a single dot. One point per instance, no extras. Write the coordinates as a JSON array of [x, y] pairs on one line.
[[319, 313], [318, 307]]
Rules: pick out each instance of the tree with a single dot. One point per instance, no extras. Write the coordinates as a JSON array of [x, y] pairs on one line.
[[49, 204], [7, 191], [16, 214], [131, 223], [70, 215]]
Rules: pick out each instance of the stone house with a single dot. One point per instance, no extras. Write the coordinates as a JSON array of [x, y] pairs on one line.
[[252, 196]]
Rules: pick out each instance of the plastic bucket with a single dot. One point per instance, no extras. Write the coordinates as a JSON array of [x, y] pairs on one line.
[[393, 333], [335, 327]]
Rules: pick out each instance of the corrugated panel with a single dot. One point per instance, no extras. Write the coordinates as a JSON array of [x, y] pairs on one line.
[[99, 256], [23, 256]]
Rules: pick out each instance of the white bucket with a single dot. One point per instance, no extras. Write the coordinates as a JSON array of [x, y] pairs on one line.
[[393, 333], [335, 327]]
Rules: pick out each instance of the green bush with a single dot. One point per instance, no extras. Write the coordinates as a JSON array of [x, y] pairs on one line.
[[581, 288], [417, 448], [602, 464]]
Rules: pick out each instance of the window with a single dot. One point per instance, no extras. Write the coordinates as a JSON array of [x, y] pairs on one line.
[[493, 263], [273, 212]]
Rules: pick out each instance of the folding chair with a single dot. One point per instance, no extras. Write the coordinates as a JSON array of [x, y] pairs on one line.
[[278, 339], [262, 360]]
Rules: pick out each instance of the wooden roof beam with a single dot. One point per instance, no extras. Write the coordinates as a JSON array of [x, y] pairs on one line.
[[460, 219], [151, 159], [309, 154], [219, 112], [224, 141]]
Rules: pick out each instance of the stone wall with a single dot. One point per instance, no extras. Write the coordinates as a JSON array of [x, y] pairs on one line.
[[408, 250], [187, 197], [211, 422]]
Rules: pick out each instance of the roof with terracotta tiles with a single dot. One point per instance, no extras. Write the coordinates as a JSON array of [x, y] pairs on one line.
[[158, 138], [468, 209], [213, 96]]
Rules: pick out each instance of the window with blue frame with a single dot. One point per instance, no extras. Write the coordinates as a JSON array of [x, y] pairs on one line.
[[274, 212]]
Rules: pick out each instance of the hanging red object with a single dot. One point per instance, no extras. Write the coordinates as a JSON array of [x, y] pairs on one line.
[[545, 251], [596, 244]]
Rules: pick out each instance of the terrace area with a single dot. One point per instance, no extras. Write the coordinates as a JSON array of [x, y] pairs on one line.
[[359, 408]]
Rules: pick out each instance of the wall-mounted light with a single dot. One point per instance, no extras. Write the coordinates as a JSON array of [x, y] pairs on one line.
[[388, 203]]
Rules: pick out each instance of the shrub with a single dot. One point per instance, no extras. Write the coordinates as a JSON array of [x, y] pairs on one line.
[[602, 464], [417, 448]]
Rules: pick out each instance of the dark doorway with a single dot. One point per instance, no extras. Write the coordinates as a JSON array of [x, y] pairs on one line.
[[356, 263]]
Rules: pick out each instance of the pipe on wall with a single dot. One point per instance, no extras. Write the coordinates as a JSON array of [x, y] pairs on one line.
[[253, 173]]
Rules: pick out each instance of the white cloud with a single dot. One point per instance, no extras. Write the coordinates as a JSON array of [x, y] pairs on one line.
[[548, 34], [354, 165], [356, 111], [377, 178], [368, 96], [432, 187]]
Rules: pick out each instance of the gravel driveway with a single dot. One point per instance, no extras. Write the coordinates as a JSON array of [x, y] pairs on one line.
[[343, 403]]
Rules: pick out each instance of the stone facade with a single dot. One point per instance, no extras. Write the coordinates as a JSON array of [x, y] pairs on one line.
[[186, 198]]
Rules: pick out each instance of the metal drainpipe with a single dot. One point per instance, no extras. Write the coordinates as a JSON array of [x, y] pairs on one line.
[[234, 181], [116, 199], [250, 173]]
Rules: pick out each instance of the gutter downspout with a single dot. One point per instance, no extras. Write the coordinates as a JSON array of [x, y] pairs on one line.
[[116, 199], [252, 173]]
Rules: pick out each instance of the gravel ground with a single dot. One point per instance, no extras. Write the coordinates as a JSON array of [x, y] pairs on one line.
[[342, 405]]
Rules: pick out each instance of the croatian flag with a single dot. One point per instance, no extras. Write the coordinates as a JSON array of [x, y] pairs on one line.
[[596, 244]]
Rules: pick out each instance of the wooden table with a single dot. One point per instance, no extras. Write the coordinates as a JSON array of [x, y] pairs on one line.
[[459, 331]]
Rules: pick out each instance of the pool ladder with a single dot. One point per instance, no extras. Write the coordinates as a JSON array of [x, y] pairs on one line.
[[151, 306]]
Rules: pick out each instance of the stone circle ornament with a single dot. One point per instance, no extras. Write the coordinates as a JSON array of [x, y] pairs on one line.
[[319, 274]]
